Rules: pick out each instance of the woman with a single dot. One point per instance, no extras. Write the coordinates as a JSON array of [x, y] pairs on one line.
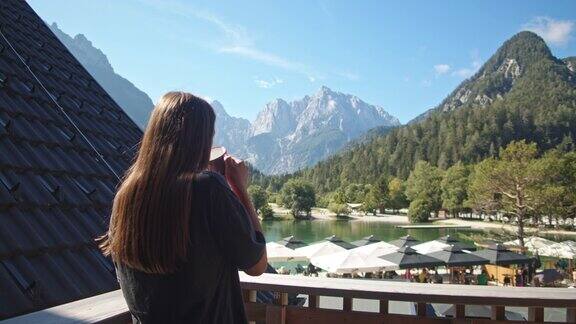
[[178, 233]]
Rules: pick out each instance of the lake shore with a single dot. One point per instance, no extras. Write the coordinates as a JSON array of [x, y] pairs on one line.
[[505, 227], [323, 214]]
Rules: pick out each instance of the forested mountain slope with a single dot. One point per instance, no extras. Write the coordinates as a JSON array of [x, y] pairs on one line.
[[521, 92]]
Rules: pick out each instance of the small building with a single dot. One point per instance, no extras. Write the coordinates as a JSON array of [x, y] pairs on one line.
[[443, 214], [355, 208]]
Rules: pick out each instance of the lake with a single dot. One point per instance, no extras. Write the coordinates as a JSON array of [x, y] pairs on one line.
[[312, 231]]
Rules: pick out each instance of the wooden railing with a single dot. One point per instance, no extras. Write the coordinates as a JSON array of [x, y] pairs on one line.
[[111, 308], [535, 299]]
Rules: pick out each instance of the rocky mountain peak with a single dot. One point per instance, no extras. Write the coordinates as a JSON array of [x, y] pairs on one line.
[[83, 49], [525, 45], [284, 137], [498, 75], [277, 117], [218, 108], [324, 90]]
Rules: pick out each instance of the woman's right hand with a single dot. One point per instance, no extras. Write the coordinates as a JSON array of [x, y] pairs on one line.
[[237, 174]]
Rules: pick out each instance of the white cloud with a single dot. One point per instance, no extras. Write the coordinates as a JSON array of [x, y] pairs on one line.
[[267, 84], [264, 57], [554, 32], [311, 78], [236, 40], [441, 68]]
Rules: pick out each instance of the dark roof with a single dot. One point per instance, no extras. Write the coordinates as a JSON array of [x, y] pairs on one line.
[[55, 189], [498, 254], [450, 240], [370, 239], [406, 240], [340, 242], [292, 242], [408, 258], [454, 256]]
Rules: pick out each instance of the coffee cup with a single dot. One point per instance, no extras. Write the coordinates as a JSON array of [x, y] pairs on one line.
[[216, 163]]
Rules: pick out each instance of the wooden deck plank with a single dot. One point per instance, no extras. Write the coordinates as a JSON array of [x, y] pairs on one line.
[[90, 310]]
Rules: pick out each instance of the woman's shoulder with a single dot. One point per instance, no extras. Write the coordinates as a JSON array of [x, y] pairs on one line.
[[211, 179]]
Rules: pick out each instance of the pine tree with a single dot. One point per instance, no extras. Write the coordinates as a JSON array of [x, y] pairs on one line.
[[455, 188], [508, 184]]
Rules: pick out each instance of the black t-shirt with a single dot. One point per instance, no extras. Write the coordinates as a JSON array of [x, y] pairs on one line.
[[206, 289]]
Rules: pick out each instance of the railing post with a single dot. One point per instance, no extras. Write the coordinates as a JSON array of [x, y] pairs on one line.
[[250, 295], [276, 314], [347, 304], [498, 313], [421, 309], [570, 315], [383, 307], [281, 298], [460, 311], [536, 314], [313, 301]]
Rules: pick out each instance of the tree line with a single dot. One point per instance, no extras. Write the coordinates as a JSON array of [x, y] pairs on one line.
[[518, 183]]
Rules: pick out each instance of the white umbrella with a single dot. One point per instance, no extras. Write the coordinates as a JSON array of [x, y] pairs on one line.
[[330, 245], [376, 249], [350, 261], [534, 244], [565, 250], [430, 247], [440, 244], [279, 253]]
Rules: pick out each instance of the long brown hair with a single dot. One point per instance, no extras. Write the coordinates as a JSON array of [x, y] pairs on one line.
[[149, 225]]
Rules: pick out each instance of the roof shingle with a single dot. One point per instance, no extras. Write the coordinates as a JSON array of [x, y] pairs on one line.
[[55, 189]]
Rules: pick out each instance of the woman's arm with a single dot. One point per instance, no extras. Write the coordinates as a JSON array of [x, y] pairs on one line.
[[237, 176]]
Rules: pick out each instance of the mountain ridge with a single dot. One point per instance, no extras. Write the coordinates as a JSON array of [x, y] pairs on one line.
[[284, 137], [134, 101], [522, 92], [507, 65], [287, 136]]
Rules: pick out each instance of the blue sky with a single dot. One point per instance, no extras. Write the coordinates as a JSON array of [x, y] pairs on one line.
[[403, 55]]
